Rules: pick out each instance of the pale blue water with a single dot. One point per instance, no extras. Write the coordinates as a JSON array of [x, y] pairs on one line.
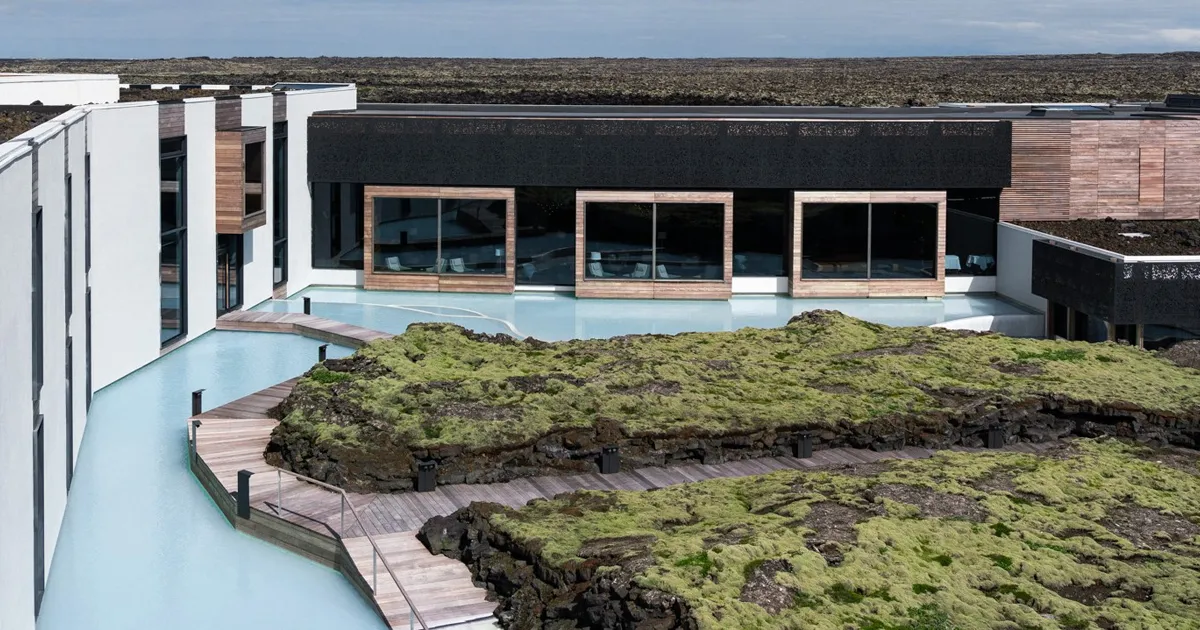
[[143, 547], [553, 317]]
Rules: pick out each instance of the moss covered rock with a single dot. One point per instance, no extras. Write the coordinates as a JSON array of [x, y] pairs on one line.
[[1096, 534], [490, 408]]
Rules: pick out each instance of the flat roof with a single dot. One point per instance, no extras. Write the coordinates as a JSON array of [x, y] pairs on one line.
[[1146, 237], [945, 112]]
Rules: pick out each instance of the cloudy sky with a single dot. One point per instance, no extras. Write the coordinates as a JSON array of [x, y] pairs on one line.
[[610, 28]]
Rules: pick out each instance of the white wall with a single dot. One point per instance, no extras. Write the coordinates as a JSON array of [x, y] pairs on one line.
[[76, 152], [258, 271], [16, 396], [1014, 265], [125, 239], [200, 127], [300, 105], [59, 89]]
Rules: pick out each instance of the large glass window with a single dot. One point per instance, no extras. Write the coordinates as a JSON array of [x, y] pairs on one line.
[[647, 241], [406, 235], [472, 235], [761, 237], [546, 236], [445, 236], [173, 251], [858, 241], [835, 241], [689, 241], [903, 240], [337, 226], [971, 218], [229, 273], [619, 240], [70, 415], [279, 204]]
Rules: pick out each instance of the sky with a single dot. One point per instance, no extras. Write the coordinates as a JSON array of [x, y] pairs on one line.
[[591, 28]]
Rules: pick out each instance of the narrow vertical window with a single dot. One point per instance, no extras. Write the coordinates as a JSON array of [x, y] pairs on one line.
[[279, 203], [70, 411], [69, 257], [173, 252]]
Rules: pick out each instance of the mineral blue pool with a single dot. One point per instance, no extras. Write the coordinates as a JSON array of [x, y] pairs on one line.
[[553, 317], [142, 546]]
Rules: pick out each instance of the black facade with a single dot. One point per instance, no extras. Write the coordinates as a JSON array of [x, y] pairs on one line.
[[661, 154], [1165, 293]]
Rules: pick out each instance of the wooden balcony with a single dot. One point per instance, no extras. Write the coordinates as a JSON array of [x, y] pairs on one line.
[[241, 204]]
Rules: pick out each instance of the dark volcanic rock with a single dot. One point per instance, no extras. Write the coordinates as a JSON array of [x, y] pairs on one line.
[[533, 595]]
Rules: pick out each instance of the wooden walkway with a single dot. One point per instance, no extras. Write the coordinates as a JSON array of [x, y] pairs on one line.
[[300, 324], [234, 436]]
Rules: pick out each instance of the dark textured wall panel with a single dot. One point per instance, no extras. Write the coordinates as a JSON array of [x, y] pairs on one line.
[[661, 154], [229, 112], [1121, 293]]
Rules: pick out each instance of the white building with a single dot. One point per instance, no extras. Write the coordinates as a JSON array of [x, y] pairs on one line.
[[111, 210]]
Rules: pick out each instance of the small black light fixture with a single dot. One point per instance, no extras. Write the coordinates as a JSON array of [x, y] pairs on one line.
[[308, 306], [321, 352], [426, 476], [243, 493], [995, 437], [802, 449], [197, 402], [610, 460]]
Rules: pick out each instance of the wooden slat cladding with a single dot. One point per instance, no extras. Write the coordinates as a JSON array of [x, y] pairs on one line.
[[279, 107], [890, 288], [1117, 186], [1041, 171], [230, 198], [1125, 169], [457, 283], [229, 112], [653, 289], [1181, 169], [171, 120]]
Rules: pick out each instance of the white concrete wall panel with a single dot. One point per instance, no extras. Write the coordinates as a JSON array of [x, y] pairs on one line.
[[51, 172], [125, 240], [76, 153], [300, 105], [59, 89], [200, 127], [1014, 265], [258, 271], [16, 398]]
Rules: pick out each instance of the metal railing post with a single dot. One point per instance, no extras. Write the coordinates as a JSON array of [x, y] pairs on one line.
[[279, 490], [374, 573], [342, 528]]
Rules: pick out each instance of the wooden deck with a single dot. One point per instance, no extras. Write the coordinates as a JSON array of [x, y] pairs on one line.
[[298, 323], [233, 437]]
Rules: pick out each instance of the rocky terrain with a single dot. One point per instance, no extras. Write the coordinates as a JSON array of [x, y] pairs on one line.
[[862, 81], [1091, 534], [491, 408]]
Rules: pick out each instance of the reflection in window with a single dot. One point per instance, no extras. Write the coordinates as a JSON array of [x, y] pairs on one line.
[[761, 238], [406, 235], [903, 240], [971, 218], [173, 245], [229, 273], [444, 236], [834, 241], [619, 240], [337, 226], [472, 235], [689, 241], [546, 236]]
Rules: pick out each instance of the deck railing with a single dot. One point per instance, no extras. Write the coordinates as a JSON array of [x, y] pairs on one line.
[[414, 615]]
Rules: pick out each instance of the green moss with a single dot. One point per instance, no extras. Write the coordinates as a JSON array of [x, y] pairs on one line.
[[438, 384], [700, 560], [991, 581], [1000, 529], [1004, 562]]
